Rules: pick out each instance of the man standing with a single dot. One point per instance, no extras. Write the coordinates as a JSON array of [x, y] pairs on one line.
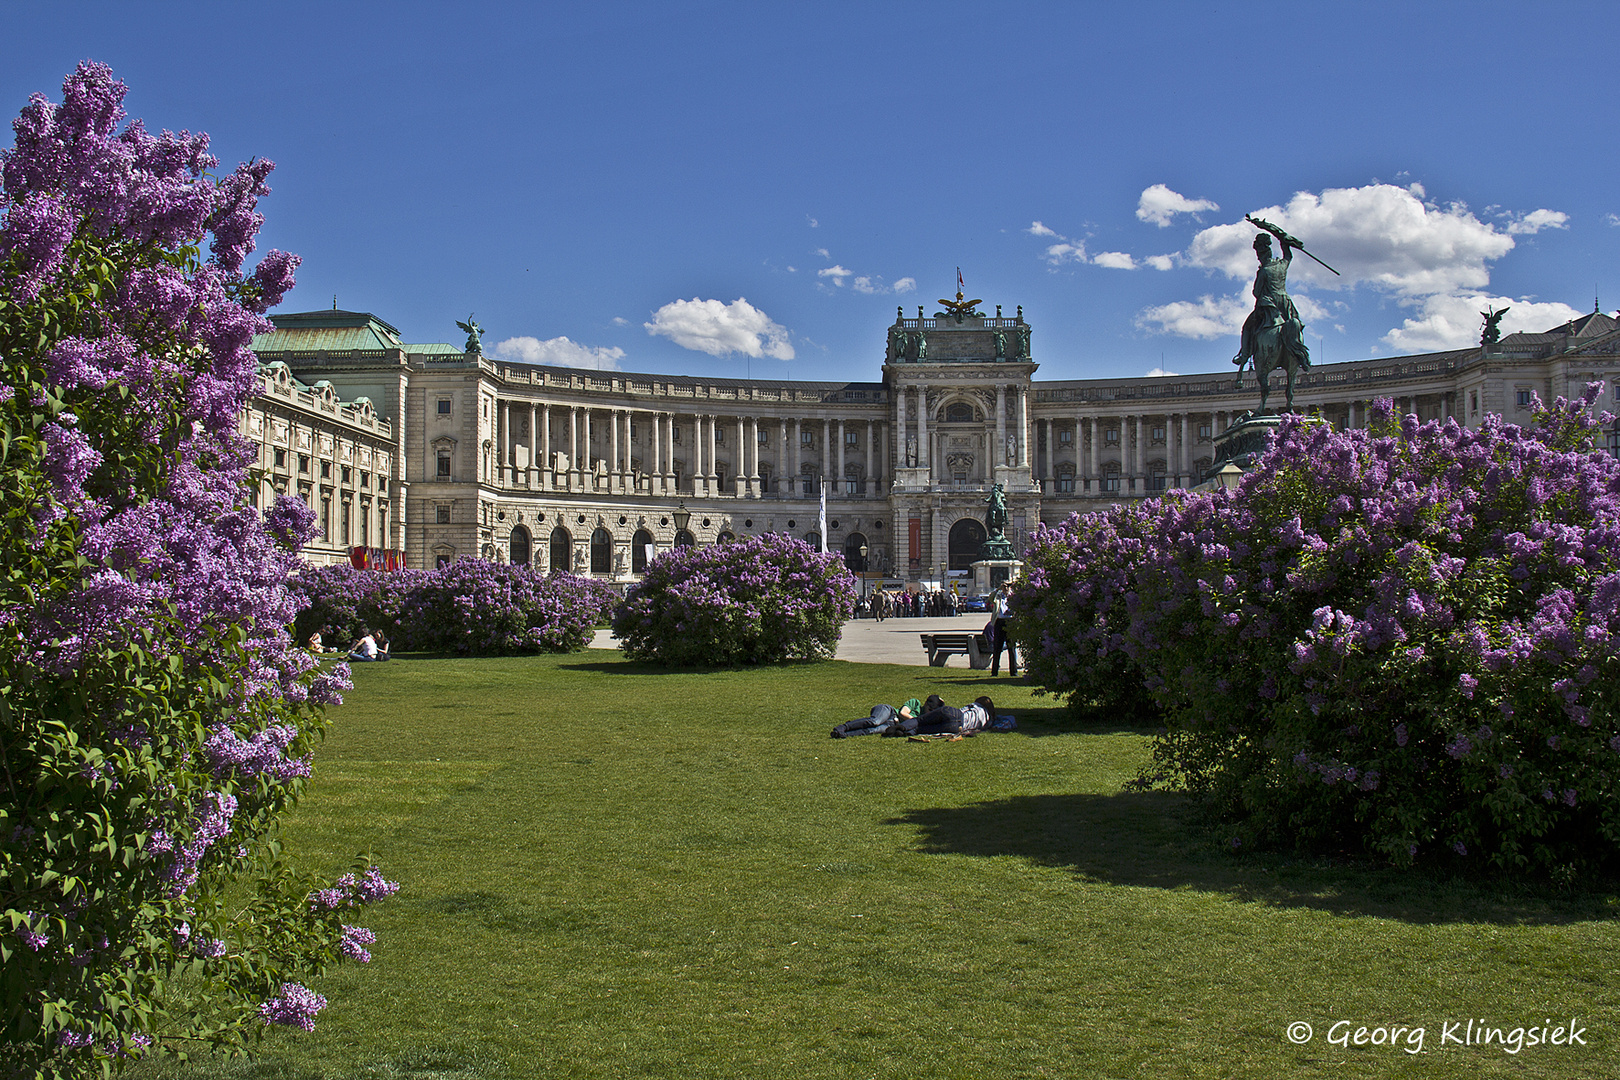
[[998, 607]]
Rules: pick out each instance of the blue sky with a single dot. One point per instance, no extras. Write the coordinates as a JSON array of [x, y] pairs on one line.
[[602, 184]]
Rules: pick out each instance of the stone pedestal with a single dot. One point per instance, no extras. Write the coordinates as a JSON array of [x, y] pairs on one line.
[[988, 573]]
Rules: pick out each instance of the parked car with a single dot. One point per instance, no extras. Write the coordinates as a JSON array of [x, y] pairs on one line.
[[975, 603]]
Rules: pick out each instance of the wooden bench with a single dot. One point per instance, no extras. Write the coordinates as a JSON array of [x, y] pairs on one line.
[[942, 647]]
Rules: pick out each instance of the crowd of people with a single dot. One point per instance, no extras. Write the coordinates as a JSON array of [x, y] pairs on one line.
[[902, 604]]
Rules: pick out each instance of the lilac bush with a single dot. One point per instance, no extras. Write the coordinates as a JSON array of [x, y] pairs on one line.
[[1400, 641], [478, 608], [757, 600], [339, 602], [155, 720]]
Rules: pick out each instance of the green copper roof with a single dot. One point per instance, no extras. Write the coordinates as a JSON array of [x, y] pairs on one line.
[[328, 331]]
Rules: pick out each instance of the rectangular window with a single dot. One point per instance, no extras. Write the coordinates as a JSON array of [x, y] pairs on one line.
[[1203, 432], [1156, 482], [444, 406], [674, 434], [807, 438], [348, 474], [1065, 485], [303, 463], [326, 470], [764, 437], [1158, 434], [281, 458], [346, 534], [1110, 483], [633, 429], [365, 478], [326, 520], [1473, 401], [852, 438], [1521, 398], [1111, 436], [1065, 437], [441, 515], [444, 465], [719, 435]]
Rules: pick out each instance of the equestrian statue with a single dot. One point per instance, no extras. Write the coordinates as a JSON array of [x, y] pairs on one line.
[[1273, 334]]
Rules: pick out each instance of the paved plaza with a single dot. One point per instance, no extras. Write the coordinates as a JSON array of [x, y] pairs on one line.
[[865, 641]]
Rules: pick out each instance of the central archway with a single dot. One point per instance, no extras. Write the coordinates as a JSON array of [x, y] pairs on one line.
[[966, 540]]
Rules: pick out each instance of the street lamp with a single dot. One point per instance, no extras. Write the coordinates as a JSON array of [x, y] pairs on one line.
[[682, 516], [863, 575], [1229, 476]]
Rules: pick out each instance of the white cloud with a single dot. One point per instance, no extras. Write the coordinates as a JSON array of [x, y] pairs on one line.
[[822, 252], [560, 352], [1161, 262], [1116, 260], [864, 285], [1160, 373], [837, 273], [814, 224], [721, 329], [1455, 321], [905, 285], [1535, 221], [1037, 229], [1379, 235], [1612, 219], [620, 320], [1068, 251], [1159, 205], [1206, 318]]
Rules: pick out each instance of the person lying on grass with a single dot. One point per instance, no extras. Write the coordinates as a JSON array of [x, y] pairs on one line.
[[883, 717], [946, 720], [369, 649]]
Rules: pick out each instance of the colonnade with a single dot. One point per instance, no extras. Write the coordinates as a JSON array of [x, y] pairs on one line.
[[600, 446]]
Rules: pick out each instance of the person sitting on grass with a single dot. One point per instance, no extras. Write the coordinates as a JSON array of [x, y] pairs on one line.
[[367, 649], [946, 720]]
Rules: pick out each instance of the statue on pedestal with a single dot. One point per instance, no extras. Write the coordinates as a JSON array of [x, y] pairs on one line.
[[474, 334], [1273, 334]]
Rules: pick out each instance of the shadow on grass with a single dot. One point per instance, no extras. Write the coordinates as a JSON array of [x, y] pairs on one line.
[[1149, 840]]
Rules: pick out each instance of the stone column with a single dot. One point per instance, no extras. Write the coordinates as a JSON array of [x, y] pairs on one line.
[[826, 453], [798, 451], [871, 458], [901, 402], [1183, 456], [1139, 462], [753, 443], [999, 458], [740, 484], [1043, 466], [784, 472], [1023, 427], [502, 429], [615, 478], [840, 487], [543, 440], [573, 447], [924, 458]]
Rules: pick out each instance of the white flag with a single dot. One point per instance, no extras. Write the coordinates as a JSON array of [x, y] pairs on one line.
[[824, 515]]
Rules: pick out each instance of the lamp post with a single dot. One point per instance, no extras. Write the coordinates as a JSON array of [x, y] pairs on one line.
[[1229, 476], [682, 517], [863, 575]]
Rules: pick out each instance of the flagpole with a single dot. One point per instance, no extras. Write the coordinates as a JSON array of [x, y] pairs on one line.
[[824, 515]]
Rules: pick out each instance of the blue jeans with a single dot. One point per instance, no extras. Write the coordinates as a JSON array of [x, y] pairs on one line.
[[882, 718], [945, 720]]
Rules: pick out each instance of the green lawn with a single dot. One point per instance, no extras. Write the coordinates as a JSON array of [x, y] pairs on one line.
[[609, 871]]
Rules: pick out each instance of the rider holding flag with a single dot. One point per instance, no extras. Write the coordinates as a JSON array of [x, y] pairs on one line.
[[1272, 306]]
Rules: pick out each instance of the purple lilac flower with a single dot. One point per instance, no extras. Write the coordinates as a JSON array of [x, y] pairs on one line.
[[355, 940], [294, 1006]]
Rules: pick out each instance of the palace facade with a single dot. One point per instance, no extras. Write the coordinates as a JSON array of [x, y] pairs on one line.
[[440, 453]]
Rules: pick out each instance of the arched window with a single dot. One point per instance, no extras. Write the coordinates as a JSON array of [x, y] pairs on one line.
[[562, 550], [601, 552], [959, 412], [519, 550], [640, 551], [726, 537], [813, 539], [966, 542], [683, 538], [853, 558]]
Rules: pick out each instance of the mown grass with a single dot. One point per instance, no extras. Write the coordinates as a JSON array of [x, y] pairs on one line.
[[613, 871]]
